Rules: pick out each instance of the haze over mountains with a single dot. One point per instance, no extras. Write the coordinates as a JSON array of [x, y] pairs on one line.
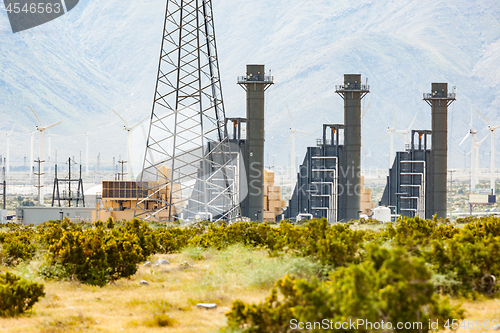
[[104, 55]]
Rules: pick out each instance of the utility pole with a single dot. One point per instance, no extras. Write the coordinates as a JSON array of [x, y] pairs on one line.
[[39, 174], [451, 178], [69, 183], [4, 190], [122, 174], [451, 183]]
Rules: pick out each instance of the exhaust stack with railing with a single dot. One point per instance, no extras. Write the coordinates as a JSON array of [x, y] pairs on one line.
[[439, 99], [352, 91]]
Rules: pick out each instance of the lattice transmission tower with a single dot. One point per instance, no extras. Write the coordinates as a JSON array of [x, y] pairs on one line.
[[188, 171]]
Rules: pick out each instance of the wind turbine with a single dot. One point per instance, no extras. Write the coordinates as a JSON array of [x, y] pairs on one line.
[[492, 130], [472, 133], [8, 149], [476, 147], [129, 130], [391, 131], [362, 148], [32, 158], [406, 132], [42, 130], [293, 130], [86, 155]]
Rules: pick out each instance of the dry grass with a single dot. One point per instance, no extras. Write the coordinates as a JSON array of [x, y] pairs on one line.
[[169, 302], [194, 276], [480, 309]]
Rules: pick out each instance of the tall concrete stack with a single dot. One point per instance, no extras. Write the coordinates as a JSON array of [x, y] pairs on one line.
[[255, 83], [439, 99], [352, 92]]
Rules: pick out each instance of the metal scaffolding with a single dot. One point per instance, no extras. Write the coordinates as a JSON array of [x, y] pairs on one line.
[[186, 169]]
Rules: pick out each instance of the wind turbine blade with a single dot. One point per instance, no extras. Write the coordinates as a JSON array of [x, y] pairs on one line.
[[290, 114], [413, 121], [53, 125], [382, 138], [152, 160], [468, 153], [286, 143], [484, 118], [120, 117], [302, 132], [366, 109], [24, 128], [12, 130], [480, 142], [470, 125], [465, 138], [402, 137], [140, 122], [35, 116]]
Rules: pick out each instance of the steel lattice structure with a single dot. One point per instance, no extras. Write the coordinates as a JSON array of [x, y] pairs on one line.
[[187, 168]]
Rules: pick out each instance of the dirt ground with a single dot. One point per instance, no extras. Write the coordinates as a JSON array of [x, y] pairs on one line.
[[173, 292]]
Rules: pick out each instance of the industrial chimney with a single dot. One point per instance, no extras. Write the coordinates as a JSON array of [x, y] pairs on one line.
[[439, 99], [352, 92], [255, 83]]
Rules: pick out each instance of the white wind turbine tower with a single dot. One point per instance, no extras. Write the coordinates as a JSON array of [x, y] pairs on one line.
[[476, 148], [42, 130], [32, 158], [472, 133], [492, 130], [391, 131], [293, 130], [8, 150], [86, 155], [129, 130]]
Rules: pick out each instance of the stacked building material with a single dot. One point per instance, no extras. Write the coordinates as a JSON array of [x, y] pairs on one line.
[[272, 198]]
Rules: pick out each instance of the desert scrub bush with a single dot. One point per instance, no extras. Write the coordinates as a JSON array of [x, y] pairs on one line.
[[336, 244], [17, 295], [54, 271], [51, 232], [390, 286], [221, 236], [96, 256], [414, 232], [469, 260], [170, 240], [18, 244]]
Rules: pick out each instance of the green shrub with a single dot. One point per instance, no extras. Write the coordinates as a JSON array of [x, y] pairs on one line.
[[17, 295], [18, 245], [54, 271], [390, 285], [96, 256]]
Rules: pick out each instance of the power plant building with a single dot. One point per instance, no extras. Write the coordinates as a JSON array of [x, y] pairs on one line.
[[329, 179], [416, 184]]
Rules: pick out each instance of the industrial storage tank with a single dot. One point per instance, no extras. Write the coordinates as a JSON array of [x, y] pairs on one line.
[[382, 214]]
